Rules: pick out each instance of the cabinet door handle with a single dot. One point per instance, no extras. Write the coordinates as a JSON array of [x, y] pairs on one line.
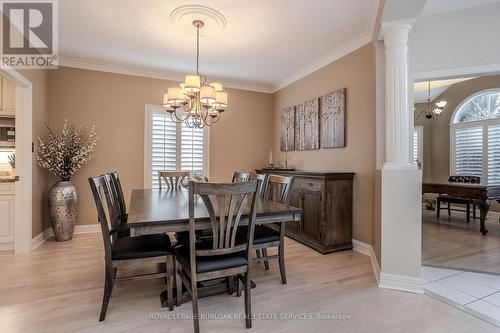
[[310, 184], [16, 178]]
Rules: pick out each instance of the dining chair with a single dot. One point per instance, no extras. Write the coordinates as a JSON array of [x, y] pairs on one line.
[[221, 256], [118, 251], [264, 178], [173, 180], [278, 189], [239, 177]]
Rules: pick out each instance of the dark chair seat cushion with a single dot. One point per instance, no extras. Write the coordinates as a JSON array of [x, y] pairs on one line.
[[123, 230], [146, 246], [262, 235], [210, 263]]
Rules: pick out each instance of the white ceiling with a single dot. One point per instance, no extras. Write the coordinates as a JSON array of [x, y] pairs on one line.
[[265, 45], [420, 89], [433, 7]]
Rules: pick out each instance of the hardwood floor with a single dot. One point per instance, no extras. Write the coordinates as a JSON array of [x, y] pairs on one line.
[[58, 288], [452, 243]]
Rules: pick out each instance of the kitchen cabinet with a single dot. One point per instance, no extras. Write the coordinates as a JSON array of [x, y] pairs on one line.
[[7, 206], [7, 98]]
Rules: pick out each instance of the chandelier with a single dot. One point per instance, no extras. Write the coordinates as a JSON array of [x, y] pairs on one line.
[[433, 113], [196, 102]]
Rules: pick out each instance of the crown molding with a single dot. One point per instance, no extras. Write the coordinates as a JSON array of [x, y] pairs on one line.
[[141, 71], [336, 54], [451, 73]]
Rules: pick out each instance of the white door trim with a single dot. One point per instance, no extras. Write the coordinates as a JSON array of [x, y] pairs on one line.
[[24, 134]]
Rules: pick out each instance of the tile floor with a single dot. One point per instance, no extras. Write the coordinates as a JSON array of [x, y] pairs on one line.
[[474, 293]]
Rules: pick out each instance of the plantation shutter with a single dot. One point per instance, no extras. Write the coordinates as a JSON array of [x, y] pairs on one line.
[[163, 145], [469, 151], [494, 155], [192, 152]]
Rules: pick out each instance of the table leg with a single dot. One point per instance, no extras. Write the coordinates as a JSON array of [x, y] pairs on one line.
[[484, 207]]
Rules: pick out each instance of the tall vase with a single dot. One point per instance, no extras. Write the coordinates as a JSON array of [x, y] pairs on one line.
[[63, 210]]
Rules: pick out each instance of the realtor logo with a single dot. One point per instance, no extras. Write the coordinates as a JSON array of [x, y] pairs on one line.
[[29, 34]]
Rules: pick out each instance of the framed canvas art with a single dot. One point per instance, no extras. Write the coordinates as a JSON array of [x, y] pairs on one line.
[[332, 119], [307, 125], [287, 129]]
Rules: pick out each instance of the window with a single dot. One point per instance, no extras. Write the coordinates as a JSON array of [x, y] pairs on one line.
[[170, 146], [418, 134], [475, 132]]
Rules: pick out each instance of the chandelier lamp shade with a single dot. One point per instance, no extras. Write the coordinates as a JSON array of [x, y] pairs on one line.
[[196, 102]]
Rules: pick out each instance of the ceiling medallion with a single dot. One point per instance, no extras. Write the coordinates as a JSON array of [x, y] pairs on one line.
[[182, 17]]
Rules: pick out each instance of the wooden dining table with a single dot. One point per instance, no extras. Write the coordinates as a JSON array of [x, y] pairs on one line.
[[164, 211], [480, 194]]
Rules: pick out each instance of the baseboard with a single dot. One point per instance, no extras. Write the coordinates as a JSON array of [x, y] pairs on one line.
[[367, 249], [41, 238], [401, 282], [49, 232], [6, 246], [385, 280]]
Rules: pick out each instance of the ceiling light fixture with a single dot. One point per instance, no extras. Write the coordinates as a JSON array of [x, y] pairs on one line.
[[196, 102], [436, 112]]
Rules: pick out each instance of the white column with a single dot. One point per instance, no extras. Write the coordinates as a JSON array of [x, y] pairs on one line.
[[397, 115], [401, 182]]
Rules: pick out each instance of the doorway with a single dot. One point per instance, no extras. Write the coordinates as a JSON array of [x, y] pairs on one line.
[[23, 160], [456, 146]]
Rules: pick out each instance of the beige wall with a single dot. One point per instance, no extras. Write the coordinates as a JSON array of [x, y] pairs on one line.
[[241, 140], [356, 72], [39, 81]]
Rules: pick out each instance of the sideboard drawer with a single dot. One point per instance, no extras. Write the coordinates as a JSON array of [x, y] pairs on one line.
[[7, 188], [310, 184]]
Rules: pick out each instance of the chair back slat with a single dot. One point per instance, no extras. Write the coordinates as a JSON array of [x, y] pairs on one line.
[[264, 178], [279, 188], [213, 219], [115, 181], [241, 205], [114, 201], [225, 204], [173, 180], [239, 177]]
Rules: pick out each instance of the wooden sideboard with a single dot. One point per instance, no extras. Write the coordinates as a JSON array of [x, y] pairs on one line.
[[326, 200]]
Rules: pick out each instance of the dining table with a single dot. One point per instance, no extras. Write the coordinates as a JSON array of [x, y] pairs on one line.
[[163, 211], [480, 194]]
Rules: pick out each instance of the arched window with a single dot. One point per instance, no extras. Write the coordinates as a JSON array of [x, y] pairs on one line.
[[475, 137]]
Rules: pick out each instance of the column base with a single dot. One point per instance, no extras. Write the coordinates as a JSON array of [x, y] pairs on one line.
[[401, 228]]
